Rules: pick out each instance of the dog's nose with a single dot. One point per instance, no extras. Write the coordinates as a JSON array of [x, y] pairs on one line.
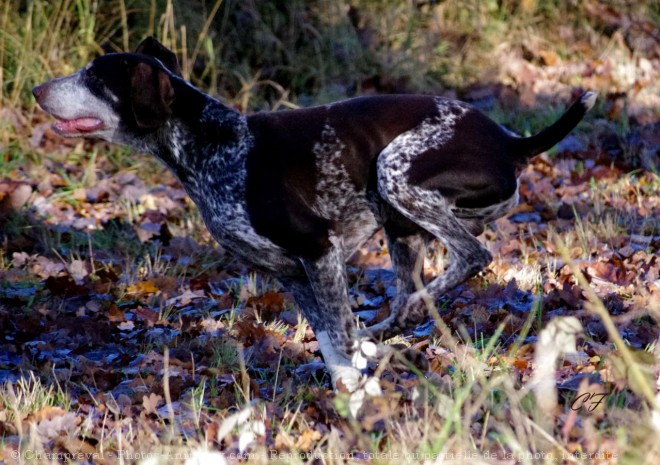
[[38, 91]]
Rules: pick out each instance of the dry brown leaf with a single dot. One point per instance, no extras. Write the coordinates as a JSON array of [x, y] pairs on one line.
[[52, 428], [151, 403], [142, 287], [115, 314], [306, 441], [76, 446]]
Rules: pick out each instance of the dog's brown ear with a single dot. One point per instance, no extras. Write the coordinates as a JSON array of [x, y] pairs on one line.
[[152, 95], [150, 46]]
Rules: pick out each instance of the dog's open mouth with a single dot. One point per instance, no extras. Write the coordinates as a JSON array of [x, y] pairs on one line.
[[75, 126]]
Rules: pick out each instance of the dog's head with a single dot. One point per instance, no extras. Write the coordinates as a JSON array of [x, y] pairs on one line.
[[117, 97]]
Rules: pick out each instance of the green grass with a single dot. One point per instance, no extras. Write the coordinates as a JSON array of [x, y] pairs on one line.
[[29, 396]]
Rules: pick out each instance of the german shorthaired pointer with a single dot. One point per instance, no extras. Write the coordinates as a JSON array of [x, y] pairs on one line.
[[295, 193]]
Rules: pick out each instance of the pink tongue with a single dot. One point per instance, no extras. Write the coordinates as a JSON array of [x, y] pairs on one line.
[[79, 125]]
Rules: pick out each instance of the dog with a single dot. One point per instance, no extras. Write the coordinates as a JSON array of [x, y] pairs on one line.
[[295, 193]]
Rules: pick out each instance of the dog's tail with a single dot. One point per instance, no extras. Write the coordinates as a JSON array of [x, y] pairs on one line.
[[524, 148]]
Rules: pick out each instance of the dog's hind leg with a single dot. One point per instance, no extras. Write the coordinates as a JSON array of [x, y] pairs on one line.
[[429, 210], [406, 251], [466, 255]]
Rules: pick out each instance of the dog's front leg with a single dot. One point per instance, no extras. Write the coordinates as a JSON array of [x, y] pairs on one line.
[[324, 302]]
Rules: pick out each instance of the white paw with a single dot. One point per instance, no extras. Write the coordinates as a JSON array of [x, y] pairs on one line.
[[345, 378], [365, 351], [346, 373], [369, 387]]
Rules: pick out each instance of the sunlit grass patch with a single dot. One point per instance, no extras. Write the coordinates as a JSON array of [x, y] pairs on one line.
[[29, 397]]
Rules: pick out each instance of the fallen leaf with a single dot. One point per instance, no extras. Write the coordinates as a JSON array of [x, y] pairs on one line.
[[49, 429], [307, 440], [151, 403], [77, 270], [142, 287]]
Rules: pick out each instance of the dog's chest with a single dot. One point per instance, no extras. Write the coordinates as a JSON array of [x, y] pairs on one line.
[[220, 197]]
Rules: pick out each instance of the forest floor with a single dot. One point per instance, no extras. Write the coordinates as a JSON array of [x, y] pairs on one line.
[[126, 333]]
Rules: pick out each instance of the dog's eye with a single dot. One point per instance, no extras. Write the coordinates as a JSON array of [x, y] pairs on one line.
[[92, 81], [101, 86]]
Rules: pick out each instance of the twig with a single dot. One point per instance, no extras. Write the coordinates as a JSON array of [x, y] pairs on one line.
[[166, 388]]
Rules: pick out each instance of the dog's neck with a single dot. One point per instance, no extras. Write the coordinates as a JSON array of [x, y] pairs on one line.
[[200, 125]]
